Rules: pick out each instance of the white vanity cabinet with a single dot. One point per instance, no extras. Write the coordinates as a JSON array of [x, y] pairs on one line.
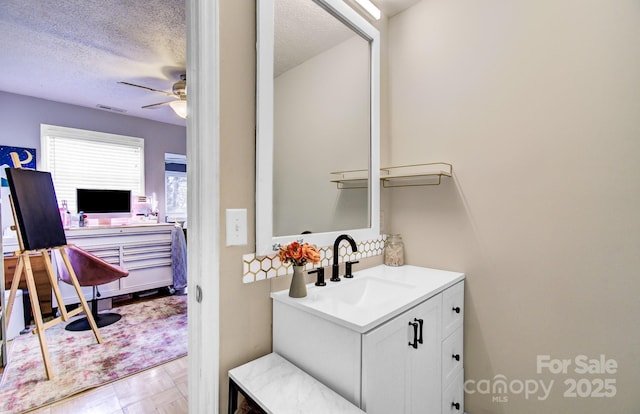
[[400, 373], [452, 349], [410, 362]]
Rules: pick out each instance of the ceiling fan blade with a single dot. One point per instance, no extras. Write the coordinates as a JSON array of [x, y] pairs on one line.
[[155, 105], [147, 88]]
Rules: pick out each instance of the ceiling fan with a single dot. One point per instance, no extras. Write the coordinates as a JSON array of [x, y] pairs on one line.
[[179, 91]]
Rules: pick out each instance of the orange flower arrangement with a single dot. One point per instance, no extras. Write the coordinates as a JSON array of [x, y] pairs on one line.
[[299, 253]]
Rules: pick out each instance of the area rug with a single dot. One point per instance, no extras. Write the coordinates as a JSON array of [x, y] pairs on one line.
[[150, 333]]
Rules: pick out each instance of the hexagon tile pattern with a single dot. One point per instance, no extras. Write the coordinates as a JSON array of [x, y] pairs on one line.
[[256, 268]]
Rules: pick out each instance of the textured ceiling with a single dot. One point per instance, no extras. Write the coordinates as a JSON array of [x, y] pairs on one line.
[[75, 51], [302, 30]]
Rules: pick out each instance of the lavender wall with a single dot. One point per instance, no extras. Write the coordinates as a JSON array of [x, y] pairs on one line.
[[21, 116]]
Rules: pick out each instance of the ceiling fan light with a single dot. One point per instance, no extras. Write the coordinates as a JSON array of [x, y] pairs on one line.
[[179, 107]]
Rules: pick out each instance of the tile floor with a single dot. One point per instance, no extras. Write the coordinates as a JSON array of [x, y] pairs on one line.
[[162, 389]]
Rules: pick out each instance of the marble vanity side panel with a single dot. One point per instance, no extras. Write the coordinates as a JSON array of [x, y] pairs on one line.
[[280, 387]]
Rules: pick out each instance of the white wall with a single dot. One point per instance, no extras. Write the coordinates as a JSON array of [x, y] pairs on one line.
[[537, 106], [317, 131]]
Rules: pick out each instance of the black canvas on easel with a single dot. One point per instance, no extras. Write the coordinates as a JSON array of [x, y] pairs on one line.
[[36, 208]]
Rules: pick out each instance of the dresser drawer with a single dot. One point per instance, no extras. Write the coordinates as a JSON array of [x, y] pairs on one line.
[[452, 308], [453, 396], [452, 357]]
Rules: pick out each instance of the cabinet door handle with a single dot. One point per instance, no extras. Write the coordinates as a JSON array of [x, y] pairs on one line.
[[414, 344], [420, 322], [455, 405], [456, 357], [456, 309]]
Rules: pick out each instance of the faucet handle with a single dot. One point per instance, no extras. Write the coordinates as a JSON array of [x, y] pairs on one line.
[[320, 280], [348, 265]]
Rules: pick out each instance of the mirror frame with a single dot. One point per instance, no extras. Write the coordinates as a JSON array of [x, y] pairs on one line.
[[266, 243]]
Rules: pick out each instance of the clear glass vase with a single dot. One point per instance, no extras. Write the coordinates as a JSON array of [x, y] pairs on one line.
[[394, 250]]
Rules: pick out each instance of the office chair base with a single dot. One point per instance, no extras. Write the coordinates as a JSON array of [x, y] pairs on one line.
[[102, 320]]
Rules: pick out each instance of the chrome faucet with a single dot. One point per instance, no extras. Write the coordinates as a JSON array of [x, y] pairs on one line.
[[335, 270]]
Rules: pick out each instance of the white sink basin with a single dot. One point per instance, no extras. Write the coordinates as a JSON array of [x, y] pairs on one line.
[[373, 296], [365, 292]]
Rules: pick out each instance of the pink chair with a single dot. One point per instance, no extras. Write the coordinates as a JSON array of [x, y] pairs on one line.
[[90, 271]]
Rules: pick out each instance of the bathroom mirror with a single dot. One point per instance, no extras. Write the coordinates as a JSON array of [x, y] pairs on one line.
[[317, 108]]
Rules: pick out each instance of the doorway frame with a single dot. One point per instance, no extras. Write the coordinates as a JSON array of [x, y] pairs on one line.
[[203, 204]]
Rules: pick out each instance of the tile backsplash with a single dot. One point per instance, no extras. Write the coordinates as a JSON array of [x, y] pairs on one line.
[[256, 268]]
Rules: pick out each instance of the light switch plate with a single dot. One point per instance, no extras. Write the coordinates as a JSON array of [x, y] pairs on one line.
[[236, 226]]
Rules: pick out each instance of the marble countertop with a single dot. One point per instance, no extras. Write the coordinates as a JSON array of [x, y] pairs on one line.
[[393, 290], [281, 387]]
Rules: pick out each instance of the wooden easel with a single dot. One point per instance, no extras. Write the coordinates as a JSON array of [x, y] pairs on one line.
[[24, 267]]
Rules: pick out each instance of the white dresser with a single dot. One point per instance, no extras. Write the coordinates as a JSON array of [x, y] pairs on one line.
[[144, 250]]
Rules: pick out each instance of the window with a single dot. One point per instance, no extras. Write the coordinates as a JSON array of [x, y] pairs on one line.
[[175, 183], [79, 158]]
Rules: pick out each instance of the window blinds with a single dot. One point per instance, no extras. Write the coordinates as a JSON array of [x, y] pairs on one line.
[[88, 159]]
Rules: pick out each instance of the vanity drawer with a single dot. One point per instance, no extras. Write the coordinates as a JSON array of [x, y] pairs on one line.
[[452, 309], [453, 396], [452, 357]]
